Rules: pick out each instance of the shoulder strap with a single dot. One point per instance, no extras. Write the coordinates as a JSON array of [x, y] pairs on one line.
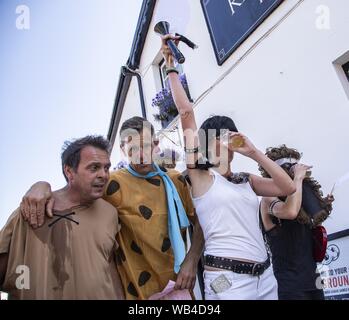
[[264, 233], [261, 225]]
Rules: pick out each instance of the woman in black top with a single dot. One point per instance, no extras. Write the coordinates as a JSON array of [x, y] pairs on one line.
[[290, 238]]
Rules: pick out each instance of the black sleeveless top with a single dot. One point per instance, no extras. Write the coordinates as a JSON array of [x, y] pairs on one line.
[[291, 246]]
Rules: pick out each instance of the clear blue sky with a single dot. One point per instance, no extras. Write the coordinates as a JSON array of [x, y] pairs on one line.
[[57, 82]]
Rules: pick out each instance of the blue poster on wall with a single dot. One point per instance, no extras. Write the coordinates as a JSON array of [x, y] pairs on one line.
[[230, 22]]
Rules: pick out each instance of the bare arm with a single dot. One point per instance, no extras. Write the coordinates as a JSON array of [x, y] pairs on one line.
[[201, 179], [183, 105], [187, 274], [3, 267], [280, 184], [291, 207], [181, 100], [187, 117], [36, 202]]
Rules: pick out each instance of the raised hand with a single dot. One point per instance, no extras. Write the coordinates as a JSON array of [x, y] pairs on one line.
[[165, 49], [300, 170], [243, 146]]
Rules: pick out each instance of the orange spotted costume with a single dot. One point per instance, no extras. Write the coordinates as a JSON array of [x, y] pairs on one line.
[[145, 258]]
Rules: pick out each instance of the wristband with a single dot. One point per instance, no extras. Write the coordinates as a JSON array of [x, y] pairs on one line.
[[172, 69]]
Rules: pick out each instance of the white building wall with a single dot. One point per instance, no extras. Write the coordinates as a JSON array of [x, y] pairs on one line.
[[132, 108], [285, 90]]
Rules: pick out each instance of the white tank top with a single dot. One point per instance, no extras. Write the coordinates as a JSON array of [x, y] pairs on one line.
[[229, 217]]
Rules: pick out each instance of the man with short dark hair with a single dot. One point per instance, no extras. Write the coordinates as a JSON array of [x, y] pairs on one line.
[[154, 206], [72, 256]]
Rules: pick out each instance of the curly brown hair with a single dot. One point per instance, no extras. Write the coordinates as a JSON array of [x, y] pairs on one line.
[[276, 153]]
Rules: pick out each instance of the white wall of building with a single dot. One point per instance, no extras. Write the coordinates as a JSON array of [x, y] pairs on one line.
[[132, 108], [285, 90]]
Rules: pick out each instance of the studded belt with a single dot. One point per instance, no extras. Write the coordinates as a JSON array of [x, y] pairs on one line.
[[255, 269]]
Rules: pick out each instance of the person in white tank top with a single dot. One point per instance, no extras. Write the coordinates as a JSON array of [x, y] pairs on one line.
[[237, 265]]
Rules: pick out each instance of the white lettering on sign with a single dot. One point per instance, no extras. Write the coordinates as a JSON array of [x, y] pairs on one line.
[[238, 3]]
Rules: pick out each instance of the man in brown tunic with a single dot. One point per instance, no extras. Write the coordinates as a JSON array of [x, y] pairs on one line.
[[72, 256]]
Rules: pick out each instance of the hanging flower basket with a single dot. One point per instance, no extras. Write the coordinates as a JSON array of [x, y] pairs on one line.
[[166, 108]]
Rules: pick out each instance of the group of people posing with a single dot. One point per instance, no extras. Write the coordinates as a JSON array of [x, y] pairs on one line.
[[123, 234]]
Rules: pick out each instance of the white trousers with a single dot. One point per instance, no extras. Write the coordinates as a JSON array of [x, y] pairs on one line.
[[243, 286]]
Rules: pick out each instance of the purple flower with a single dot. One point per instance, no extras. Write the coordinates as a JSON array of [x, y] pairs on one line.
[[163, 101]]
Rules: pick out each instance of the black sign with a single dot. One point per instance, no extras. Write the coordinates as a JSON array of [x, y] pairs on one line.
[[230, 22]]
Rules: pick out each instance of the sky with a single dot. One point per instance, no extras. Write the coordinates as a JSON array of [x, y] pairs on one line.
[[59, 72]]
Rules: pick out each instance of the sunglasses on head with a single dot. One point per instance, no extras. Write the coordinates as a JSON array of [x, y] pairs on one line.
[[288, 165]]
